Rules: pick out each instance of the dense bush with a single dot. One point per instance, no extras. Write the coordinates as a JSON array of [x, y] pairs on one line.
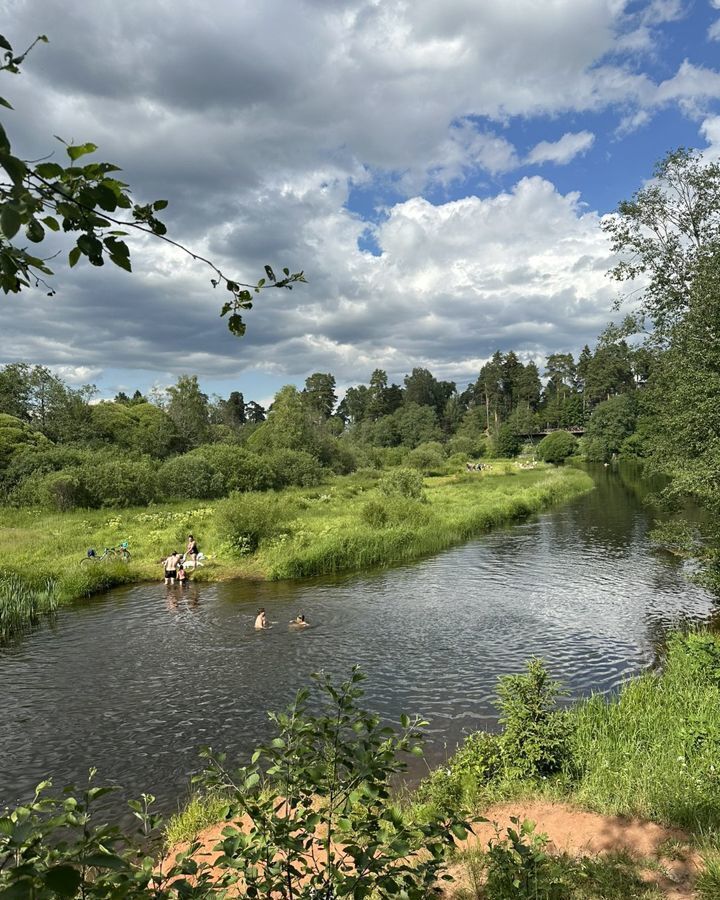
[[293, 467], [61, 491], [428, 458], [402, 482], [506, 442], [15, 436], [557, 447], [244, 520], [189, 476], [473, 447], [395, 510], [535, 738]]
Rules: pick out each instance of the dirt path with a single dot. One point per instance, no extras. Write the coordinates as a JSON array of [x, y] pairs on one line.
[[665, 856]]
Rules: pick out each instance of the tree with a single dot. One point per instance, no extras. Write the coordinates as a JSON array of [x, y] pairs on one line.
[[527, 385], [610, 424], [489, 388], [506, 441], [353, 406], [189, 409], [664, 231], [16, 435], [609, 372], [556, 447], [320, 393], [680, 408], [560, 370], [90, 203], [254, 412], [232, 410]]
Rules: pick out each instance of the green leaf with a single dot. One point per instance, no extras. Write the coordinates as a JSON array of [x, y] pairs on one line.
[[16, 168], [10, 220], [49, 170], [74, 256], [4, 43], [52, 223], [459, 830], [405, 720], [34, 231], [4, 102], [160, 204], [63, 880], [236, 325], [251, 781], [75, 152]]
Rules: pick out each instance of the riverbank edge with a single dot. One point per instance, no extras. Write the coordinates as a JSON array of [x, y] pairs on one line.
[[496, 500], [657, 783]]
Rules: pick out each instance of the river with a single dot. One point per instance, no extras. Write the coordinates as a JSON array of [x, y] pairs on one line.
[[134, 682]]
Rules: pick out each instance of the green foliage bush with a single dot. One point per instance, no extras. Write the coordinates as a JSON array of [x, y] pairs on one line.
[[557, 447], [472, 447], [535, 738], [506, 442], [61, 491], [381, 512], [428, 458], [122, 483], [403, 482], [187, 477], [246, 519], [519, 866], [293, 467]]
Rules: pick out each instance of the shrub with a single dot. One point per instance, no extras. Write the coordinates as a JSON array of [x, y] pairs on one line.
[[556, 447], [61, 491], [520, 867], [237, 469], [395, 510], [472, 447], [428, 458], [506, 442], [403, 482], [535, 740], [122, 483], [293, 467], [244, 520], [189, 477]]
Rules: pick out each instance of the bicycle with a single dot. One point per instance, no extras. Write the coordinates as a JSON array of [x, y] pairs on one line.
[[120, 552]]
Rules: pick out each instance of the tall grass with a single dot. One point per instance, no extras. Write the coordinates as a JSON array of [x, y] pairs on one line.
[[23, 603], [654, 750], [456, 510]]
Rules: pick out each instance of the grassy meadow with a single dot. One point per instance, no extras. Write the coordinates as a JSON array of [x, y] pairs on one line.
[[343, 525]]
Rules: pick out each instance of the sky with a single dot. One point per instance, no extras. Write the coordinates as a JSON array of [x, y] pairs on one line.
[[439, 171]]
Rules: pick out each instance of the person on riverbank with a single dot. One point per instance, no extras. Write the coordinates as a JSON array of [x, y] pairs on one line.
[[192, 550], [261, 619], [170, 567]]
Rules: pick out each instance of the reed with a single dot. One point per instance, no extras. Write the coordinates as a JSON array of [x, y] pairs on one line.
[[23, 604]]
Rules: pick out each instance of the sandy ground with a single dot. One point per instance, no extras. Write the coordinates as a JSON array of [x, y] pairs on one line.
[[581, 833], [569, 830]]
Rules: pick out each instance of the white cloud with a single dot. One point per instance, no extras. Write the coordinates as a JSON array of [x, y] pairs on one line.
[[710, 130], [714, 31], [562, 150], [257, 120], [78, 374]]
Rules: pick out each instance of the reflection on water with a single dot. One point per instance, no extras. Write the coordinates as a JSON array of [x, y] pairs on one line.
[[136, 682]]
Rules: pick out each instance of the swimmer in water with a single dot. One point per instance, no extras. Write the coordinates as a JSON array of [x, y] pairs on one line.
[[299, 622], [261, 619]]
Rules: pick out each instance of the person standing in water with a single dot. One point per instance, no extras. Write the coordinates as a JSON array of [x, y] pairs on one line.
[[261, 619], [170, 567]]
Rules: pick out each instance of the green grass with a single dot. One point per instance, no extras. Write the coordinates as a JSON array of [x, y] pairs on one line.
[[332, 536], [201, 812], [326, 533], [654, 750], [23, 603]]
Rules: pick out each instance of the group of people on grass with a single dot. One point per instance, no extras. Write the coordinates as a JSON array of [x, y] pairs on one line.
[[174, 566]]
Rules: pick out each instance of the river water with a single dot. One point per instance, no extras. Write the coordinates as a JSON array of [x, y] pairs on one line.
[[136, 681]]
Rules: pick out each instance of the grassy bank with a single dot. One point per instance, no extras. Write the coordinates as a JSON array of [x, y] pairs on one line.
[[321, 530]]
